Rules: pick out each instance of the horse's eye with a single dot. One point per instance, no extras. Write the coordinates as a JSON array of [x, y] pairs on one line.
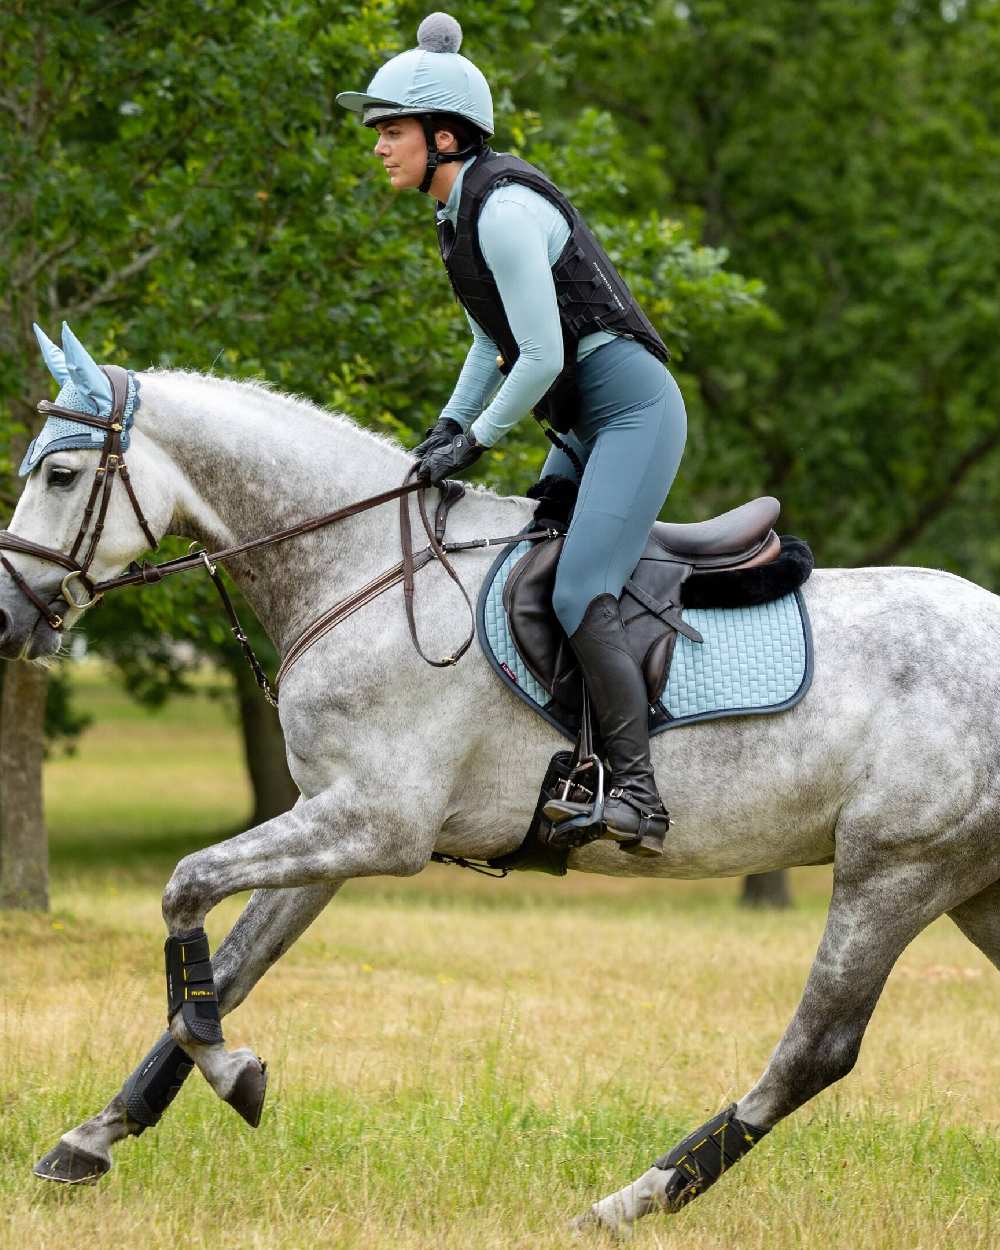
[[60, 475]]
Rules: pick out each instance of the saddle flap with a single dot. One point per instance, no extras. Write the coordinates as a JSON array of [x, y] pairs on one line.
[[527, 600]]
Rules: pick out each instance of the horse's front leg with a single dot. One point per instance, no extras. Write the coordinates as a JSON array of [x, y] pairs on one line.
[[84, 1153], [871, 921], [336, 835]]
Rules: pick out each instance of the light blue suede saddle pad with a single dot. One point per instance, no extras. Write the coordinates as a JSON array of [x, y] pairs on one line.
[[754, 660]]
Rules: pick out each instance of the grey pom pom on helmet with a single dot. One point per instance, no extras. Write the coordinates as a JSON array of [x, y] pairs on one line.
[[431, 78], [439, 32]]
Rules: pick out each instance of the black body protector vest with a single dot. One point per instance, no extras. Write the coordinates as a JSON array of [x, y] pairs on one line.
[[592, 295]]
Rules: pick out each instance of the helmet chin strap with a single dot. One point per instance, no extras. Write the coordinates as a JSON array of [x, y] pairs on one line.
[[436, 158]]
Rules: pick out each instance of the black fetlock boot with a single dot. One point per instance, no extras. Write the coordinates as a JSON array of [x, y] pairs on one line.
[[634, 815]]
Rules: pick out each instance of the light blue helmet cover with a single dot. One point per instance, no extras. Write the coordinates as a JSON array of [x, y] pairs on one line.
[[431, 78], [85, 388]]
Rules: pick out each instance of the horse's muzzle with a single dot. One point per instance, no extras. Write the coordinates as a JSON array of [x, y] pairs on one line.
[[26, 636]]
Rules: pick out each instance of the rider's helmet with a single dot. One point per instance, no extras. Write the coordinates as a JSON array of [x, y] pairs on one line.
[[427, 82]]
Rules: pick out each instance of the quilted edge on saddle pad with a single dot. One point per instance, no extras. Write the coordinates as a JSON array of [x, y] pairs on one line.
[[496, 642]]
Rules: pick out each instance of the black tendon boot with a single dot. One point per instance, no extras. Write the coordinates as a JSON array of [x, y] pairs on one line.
[[634, 814]]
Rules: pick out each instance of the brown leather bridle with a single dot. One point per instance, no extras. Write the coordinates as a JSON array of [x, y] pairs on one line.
[[112, 465]]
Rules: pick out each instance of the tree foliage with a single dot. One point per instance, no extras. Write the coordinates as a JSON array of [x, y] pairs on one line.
[[847, 155]]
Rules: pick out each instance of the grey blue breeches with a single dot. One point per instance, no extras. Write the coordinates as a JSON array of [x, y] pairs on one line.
[[630, 436]]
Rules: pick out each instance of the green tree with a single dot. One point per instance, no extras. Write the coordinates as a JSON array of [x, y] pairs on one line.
[[848, 155]]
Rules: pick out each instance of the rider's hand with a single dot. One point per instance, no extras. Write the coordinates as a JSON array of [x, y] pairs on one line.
[[450, 458], [443, 431]]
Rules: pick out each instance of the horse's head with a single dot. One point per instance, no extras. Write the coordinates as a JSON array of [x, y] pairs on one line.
[[73, 526]]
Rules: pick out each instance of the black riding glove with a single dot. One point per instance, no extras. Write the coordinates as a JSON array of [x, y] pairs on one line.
[[443, 431], [450, 458]]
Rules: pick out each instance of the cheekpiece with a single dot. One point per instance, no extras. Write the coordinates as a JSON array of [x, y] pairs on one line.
[[62, 434]]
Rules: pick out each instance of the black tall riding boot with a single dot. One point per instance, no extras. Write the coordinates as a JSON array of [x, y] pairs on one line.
[[634, 814]]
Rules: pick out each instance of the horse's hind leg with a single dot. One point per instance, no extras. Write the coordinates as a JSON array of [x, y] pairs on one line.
[[869, 924], [979, 919], [84, 1153]]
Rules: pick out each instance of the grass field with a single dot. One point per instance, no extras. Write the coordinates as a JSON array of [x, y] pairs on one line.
[[459, 1062]]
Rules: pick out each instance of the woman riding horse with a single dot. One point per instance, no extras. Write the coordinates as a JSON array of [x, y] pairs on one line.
[[554, 329]]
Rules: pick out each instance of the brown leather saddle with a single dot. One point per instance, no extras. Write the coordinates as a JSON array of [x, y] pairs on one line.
[[733, 559]]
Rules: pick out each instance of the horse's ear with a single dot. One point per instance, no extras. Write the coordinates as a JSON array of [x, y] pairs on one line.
[[84, 372], [52, 355]]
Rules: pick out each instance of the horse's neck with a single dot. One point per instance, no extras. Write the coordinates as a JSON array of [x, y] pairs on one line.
[[253, 462]]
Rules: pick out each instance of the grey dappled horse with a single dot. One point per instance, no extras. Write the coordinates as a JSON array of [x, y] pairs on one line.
[[887, 769]]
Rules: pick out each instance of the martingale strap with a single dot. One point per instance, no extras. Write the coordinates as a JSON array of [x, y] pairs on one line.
[[702, 1157], [406, 538], [238, 633]]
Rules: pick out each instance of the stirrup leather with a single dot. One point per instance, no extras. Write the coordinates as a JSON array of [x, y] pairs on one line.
[[576, 811]]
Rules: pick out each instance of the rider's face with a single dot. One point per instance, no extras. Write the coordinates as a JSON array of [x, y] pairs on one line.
[[402, 149]]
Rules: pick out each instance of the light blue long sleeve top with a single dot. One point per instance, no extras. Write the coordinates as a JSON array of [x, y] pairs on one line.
[[521, 235]]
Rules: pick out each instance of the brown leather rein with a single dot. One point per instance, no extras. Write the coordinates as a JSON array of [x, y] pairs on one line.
[[112, 464]]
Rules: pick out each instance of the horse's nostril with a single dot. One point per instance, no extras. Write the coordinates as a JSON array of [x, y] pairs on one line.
[[4, 625]]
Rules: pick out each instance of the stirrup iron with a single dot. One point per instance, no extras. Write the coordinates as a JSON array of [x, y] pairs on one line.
[[585, 826]]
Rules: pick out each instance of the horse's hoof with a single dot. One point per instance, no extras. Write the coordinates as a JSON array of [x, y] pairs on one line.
[[247, 1095], [71, 1166]]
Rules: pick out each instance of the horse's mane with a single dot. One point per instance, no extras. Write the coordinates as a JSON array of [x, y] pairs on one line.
[[269, 395], [276, 401]]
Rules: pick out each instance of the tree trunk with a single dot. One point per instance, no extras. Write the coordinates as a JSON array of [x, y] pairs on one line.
[[767, 889], [24, 843], [274, 791]]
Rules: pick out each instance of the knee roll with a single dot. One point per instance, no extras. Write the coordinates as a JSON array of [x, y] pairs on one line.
[[568, 605]]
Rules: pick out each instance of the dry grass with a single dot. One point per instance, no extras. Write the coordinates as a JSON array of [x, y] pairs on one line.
[[459, 1062]]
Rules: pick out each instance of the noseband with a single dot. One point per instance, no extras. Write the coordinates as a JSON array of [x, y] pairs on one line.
[[111, 465]]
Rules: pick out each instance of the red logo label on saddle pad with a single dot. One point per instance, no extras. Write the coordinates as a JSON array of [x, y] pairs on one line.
[[510, 673]]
